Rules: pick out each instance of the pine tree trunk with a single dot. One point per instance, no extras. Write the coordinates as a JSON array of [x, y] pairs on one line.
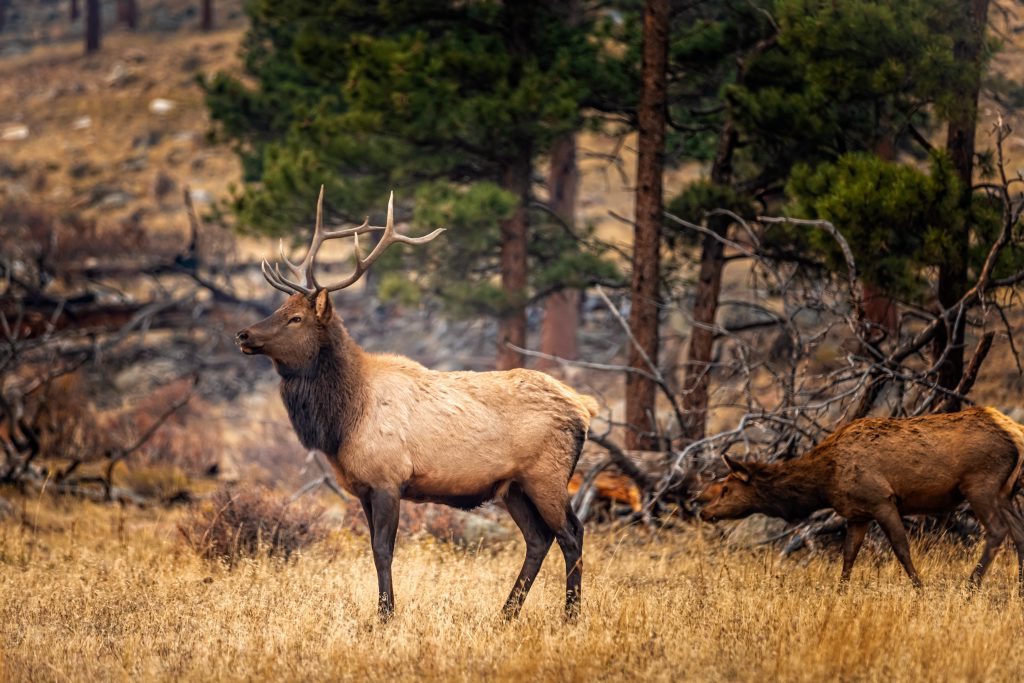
[[960, 144], [512, 329], [3, 14], [206, 23], [705, 302], [644, 289], [93, 25], [561, 309], [75, 13]]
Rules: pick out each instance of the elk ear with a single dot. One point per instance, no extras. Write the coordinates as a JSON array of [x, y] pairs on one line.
[[741, 471], [322, 306]]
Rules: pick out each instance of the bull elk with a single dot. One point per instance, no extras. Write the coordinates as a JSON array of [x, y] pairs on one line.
[[882, 468], [394, 430]]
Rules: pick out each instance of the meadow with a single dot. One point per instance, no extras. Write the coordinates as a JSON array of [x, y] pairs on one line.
[[91, 593]]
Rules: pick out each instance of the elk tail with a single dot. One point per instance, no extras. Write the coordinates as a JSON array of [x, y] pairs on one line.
[[1016, 434]]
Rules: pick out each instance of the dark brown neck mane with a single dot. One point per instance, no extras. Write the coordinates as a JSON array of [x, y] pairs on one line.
[[794, 489], [325, 399]]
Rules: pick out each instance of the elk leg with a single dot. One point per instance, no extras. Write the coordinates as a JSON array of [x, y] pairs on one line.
[[1016, 525], [384, 507], [888, 517], [855, 532], [368, 513], [995, 532], [552, 502], [538, 539], [570, 540]]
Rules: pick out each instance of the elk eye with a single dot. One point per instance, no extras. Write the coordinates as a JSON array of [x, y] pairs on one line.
[[296, 319], [725, 489]]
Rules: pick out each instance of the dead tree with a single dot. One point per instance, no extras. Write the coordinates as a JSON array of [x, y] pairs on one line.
[[789, 400], [63, 316]]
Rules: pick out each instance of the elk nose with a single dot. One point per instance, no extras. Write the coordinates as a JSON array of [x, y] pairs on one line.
[[242, 336]]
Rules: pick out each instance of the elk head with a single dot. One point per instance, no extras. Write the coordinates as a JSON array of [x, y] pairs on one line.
[[294, 334], [732, 497]]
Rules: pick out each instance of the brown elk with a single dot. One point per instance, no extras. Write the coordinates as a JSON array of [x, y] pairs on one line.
[[882, 468], [394, 430]]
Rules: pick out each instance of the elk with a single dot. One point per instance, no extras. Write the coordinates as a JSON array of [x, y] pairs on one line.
[[882, 468], [394, 430]]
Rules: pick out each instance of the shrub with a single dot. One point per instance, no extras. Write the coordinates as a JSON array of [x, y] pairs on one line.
[[237, 523]]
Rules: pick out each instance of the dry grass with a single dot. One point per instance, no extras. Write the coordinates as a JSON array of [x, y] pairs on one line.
[[94, 593], [247, 522]]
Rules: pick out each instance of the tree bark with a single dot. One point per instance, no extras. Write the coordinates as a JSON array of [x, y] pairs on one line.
[[512, 329], [705, 304], [3, 14], [561, 309], [960, 145], [93, 25], [644, 312], [206, 23], [75, 13]]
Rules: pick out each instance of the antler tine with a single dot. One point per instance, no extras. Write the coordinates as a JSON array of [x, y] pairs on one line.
[[387, 239], [291, 266], [306, 269], [277, 281], [309, 263]]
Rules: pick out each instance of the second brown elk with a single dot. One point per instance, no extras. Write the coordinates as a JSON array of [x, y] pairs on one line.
[[394, 430], [878, 469]]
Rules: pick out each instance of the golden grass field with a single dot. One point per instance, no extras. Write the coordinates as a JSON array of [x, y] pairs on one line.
[[95, 593]]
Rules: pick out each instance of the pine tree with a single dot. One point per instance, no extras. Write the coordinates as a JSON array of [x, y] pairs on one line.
[[440, 96], [810, 81]]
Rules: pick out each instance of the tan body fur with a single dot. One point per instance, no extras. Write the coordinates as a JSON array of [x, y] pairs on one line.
[[882, 468], [439, 435]]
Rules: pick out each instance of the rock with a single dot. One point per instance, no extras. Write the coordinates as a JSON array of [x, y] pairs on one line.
[[109, 197], [754, 530], [469, 529], [201, 196], [121, 76], [161, 106], [81, 123], [14, 132], [116, 200], [1016, 414]]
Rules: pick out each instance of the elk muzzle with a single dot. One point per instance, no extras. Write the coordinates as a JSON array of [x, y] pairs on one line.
[[247, 343]]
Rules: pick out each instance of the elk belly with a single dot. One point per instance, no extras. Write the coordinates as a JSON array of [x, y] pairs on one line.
[[465, 496]]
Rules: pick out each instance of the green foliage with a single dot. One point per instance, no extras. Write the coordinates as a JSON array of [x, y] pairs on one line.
[[428, 97], [846, 76], [464, 272], [896, 218], [708, 40], [695, 201]]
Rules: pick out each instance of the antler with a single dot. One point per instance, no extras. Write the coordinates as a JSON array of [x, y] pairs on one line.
[[305, 270]]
